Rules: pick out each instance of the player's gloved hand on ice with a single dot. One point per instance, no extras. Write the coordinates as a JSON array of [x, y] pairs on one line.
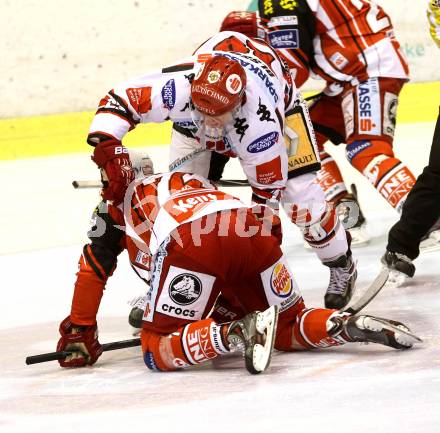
[[270, 220], [113, 158], [82, 341]]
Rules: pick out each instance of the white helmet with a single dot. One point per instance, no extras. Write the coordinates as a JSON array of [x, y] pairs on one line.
[[141, 162]]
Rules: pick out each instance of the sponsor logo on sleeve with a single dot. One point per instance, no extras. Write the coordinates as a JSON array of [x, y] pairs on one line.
[[263, 143], [269, 172], [339, 60], [169, 94], [284, 39], [185, 293], [110, 103], [140, 99], [283, 21], [143, 259], [356, 147]]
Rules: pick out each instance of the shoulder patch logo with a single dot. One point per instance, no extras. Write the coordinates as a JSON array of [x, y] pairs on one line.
[[185, 289], [169, 94], [263, 143], [280, 282]]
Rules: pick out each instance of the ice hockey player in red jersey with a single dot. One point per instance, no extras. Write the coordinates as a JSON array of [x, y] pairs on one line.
[[192, 243], [234, 97], [351, 45]]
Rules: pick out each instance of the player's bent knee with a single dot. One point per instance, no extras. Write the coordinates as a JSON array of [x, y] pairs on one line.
[[150, 342], [360, 153]]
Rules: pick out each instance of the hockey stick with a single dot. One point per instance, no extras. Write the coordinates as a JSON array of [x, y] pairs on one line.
[[353, 307], [81, 184], [54, 356], [87, 184], [232, 182]]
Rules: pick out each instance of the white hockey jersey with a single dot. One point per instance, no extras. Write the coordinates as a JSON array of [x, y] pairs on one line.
[[255, 137]]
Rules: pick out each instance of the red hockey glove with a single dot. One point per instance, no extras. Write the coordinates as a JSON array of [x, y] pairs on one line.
[[113, 158], [241, 22], [270, 220], [82, 341]]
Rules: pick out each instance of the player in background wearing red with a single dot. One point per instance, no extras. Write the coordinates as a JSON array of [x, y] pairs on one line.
[[193, 243], [351, 45], [419, 223], [235, 98]]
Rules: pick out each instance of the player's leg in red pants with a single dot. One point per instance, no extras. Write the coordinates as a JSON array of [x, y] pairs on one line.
[[250, 271]]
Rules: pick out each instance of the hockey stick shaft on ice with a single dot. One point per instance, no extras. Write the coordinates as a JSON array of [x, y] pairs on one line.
[[81, 184], [54, 356], [354, 306]]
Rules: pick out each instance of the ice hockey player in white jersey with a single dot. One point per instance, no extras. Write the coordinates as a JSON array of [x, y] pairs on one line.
[[235, 97]]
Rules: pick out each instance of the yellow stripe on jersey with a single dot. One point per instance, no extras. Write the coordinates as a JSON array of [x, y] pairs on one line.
[[66, 133], [434, 20]]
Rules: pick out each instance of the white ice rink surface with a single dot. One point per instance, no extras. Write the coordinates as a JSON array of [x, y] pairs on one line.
[[351, 389]]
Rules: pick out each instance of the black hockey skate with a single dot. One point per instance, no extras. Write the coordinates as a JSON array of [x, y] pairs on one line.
[[370, 329], [137, 312], [398, 262], [254, 334], [352, 218], [343, 276]]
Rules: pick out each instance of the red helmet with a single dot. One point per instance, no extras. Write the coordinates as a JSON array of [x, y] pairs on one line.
[[219, 86], [241, 22]]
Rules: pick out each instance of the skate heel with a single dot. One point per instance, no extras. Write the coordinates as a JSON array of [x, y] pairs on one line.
[[266, 324], [255, 336]]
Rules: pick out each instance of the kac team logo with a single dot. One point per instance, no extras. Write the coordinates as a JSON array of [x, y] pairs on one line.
[[280, 281], [185, 289]]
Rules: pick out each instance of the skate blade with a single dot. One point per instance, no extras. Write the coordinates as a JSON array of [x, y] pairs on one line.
[[396, 279], [431, 244], [412, 338], [259, 360]]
